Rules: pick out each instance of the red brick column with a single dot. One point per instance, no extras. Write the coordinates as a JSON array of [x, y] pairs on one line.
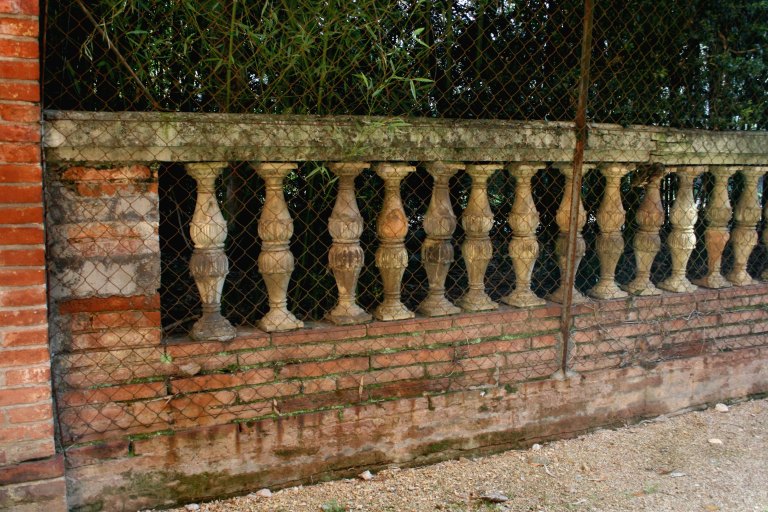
[[31, 474]]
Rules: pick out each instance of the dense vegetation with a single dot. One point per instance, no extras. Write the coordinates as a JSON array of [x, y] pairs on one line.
[[688, 63]]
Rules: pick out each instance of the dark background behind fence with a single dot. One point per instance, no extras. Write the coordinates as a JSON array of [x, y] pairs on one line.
[[683, 63]]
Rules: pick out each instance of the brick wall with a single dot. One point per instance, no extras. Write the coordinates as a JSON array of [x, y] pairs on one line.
[[146, 421], [31, 475]]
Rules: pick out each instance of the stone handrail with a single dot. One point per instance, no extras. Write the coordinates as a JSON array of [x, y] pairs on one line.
[[91, 137]]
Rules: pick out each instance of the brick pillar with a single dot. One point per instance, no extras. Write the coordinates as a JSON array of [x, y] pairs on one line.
[[31, 474]]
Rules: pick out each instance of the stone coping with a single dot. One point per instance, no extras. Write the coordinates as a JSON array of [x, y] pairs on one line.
[[126, 137]]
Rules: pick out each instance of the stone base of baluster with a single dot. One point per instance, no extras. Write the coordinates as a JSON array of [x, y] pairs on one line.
[[476, 300], [348, 315], [437, 306], [524, 298], [278, 320], [212, 327], [678, 284], [563, 375], [641, 287], [389, 312], [606, 290], [714, 281], [740, 278], [559, 296]]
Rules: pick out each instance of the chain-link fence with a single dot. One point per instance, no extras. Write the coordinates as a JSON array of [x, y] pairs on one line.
[[311, 192], [475, 213]]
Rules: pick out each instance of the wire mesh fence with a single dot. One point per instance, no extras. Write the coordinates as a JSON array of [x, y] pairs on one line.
[[487, 59], [287, 254], [311, 192]]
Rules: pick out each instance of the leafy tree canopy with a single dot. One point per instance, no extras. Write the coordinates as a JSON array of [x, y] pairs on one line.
[[687, 63]]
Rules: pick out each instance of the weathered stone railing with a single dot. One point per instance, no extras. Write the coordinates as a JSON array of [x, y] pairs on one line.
[[349, 145]]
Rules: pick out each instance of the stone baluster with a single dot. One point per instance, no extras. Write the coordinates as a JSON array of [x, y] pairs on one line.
[[744, 237], [391, 256], [762, 170], [275, 261], [682, 238], [717, 214], [524, 246], [647, 242], [437, 250], [563, 219], [209, 264], [477, 249], [610, 242], [346, 257]]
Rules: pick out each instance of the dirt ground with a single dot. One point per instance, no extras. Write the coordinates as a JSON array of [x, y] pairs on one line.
[[710, 460]]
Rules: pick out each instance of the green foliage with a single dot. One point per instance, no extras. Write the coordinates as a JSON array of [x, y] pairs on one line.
[[689, 63], [686, 63], [333, 506]]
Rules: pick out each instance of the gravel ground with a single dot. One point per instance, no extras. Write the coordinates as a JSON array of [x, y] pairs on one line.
[[699, 461]]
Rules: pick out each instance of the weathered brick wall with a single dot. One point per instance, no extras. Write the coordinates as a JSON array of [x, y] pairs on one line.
[[146, 421], [104, 275], [206, 457], [31, 475]]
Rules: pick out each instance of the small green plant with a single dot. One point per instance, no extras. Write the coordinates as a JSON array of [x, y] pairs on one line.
[[166, 358], [651, 488], [333, 506]]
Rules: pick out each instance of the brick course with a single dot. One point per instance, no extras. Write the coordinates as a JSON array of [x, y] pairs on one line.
[[26, 416]]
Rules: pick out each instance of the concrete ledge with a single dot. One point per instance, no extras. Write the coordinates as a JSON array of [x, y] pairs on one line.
[[127, 137]]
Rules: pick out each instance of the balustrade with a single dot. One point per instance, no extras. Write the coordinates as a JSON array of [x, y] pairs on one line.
[[391, 256], [477, 248], [346, 257], [717, 215], [682, 238], [209, 264], [275, 260], [437, 250], [610, 241], [746, 215], [647, 242], [524, 246], [563, 219], [764, 275]]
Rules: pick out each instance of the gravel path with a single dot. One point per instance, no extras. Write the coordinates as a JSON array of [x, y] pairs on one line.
[[666, 464]]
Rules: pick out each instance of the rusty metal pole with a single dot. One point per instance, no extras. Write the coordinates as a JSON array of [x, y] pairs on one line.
[[578, 162]]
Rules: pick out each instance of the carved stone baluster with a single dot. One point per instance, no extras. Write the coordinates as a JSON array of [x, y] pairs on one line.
[[610, 242], [746, 215], [209, 264], [346, 257], [682, 238], [391, 256], [718, 213], [563, 219], [437, 250], [524, 247], [477, 248], [275, 260], [647, 242], [762, 170]]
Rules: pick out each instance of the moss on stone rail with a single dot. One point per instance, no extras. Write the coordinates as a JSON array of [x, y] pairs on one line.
[[88, 137]]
